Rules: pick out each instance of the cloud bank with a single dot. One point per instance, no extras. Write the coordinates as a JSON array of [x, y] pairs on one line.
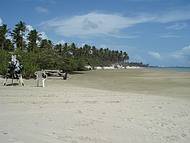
[[169, 35], [178, 57], [92, 24], [95, 24], [177, 26], [184, 53], [155, 55]]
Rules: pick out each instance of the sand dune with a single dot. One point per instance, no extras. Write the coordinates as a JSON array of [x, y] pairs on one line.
[[64, 112]]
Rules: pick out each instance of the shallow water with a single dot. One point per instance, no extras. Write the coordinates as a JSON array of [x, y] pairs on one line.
[[178, 69], [146, 81]]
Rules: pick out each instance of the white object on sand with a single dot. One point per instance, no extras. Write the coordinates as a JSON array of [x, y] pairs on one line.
[[41, 76]]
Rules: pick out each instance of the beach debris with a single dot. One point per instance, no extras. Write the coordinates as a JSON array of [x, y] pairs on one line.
[[14, 71], [40, 76], [57, 73]]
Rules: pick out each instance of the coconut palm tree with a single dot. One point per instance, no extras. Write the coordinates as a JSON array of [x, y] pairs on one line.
[[46, 44], [33, 37], [3, 33], [18, 35]]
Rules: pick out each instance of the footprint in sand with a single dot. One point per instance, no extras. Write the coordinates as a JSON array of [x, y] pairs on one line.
[[171, 138], [19, 142], [91, 102], [113, 101], [14, 140], [79, 111], [183, 135], [3, 132], [157, 107], [103, 113]]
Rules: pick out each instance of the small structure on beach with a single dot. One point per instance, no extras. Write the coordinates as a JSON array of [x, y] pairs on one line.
[[41, 76]]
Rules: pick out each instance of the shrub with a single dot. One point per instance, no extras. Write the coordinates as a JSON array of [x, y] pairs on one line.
[[4, 61]]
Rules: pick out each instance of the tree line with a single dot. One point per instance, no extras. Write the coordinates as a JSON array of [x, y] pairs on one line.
[[36, 53]]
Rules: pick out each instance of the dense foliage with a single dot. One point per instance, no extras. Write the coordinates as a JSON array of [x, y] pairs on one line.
[[36, 53]]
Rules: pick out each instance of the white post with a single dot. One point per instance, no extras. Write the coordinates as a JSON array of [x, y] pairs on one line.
[[40, 77], [21, 81], [43, 82], [38, 82]]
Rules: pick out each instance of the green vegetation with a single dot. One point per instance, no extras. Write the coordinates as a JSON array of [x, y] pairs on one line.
[[36, 53]]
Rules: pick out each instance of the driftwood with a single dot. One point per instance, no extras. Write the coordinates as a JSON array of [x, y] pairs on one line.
[[57, 73]]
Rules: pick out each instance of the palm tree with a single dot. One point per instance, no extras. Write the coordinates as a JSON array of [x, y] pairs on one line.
[[72, 49], [3, 32], [125, 59], [46, 44], [18, 35], [33, 37], [8, 46], [58, 48]]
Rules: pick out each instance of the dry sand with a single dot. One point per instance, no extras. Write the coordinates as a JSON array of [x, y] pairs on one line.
[[98, 110]]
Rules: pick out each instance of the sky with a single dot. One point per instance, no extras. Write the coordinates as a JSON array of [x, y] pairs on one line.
[[155, 32]]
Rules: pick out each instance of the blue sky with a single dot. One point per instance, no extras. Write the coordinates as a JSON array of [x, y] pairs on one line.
[[156, 32]]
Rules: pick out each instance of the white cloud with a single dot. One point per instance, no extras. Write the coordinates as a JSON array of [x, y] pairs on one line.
[[43, 35], [29, 27], [41, 9], [173, 16], [121, 36], [186, 50], [61, 42], [96, 24], [155, 55], [103, 46], [1, 21], [184, 53], [93, 24], [177, 26], [169, 35], [179, 57]]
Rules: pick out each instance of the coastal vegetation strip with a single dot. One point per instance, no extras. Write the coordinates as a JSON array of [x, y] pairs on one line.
[[36, 53]]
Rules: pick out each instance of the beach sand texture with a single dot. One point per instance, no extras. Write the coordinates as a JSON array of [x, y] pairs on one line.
[[110, 106]]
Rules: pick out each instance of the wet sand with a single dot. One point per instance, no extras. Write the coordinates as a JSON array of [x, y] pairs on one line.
[[142, 81], [134, 106]]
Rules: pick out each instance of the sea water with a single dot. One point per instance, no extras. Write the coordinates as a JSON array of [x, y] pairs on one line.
[[179, 69]]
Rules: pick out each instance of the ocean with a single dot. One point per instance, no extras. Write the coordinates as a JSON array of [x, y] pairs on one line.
[[179, 69]]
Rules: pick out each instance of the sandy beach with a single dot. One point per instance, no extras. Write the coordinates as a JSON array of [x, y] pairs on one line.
[[102, 106]]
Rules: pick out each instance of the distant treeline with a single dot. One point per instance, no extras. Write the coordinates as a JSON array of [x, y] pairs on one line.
[[36, 53], [138, 64]]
